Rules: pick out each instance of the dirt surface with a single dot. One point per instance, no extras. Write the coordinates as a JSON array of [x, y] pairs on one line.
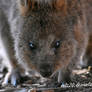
[[81, 82]]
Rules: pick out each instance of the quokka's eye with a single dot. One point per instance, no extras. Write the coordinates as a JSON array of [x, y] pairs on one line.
[[32, 46], [57, 44]]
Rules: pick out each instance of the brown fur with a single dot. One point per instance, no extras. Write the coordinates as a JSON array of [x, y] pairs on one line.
[[33, 5]]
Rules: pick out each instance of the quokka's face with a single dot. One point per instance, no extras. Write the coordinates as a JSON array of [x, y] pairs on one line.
[[43, 42], [43, 46]]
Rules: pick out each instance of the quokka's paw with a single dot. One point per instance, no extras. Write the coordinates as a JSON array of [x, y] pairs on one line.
[[14, 78]]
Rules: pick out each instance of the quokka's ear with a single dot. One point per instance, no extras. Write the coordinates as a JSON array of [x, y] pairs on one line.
[[24, 6], [60, 4]]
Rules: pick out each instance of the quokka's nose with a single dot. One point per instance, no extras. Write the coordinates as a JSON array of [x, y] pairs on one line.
[[45, 70]]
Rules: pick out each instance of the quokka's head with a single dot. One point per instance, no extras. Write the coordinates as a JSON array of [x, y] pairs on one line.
[[42, 41]]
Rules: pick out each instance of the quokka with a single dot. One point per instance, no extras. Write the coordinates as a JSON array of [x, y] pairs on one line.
[[46, 36]]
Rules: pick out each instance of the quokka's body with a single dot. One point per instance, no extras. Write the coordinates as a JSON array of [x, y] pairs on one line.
[[48, 36]]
